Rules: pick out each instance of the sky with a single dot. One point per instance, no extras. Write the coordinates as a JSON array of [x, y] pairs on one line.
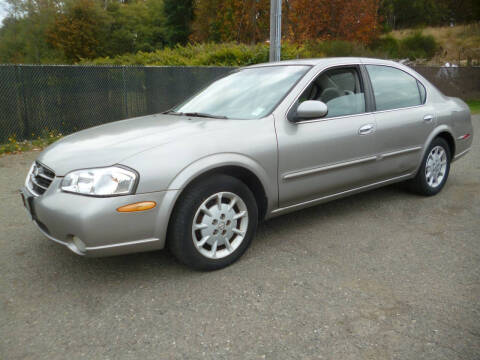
[[3, 11]]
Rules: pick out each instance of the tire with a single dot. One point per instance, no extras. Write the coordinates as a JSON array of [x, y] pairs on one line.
[[222, 232], [422, 183]]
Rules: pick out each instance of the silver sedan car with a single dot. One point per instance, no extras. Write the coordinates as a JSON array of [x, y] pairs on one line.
[[260, 142]]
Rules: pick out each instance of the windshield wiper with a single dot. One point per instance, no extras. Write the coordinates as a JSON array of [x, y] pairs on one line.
[[205, 115], [197, 114], [172, 112]]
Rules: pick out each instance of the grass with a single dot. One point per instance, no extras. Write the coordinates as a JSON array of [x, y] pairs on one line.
[[14, 146], [474, 106]]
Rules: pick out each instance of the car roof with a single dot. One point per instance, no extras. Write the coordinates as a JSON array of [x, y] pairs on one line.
[[328, 61]]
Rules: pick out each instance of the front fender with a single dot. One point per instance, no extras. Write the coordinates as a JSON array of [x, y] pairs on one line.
[[204, 165], [207, 163]]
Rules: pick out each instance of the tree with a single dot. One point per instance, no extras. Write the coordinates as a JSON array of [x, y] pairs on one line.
[[248, 21], [53, 31], [80, 31], [463, 11], [412, 13], [138, 26], [207, 25], [23, 34], [178, 18], [244, 21], [353, 20]]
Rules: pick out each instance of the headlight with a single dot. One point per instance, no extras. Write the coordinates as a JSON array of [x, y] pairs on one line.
[[100, 182]]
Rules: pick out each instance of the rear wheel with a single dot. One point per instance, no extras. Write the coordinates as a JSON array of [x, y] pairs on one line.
[[213, 223], [433, 172]]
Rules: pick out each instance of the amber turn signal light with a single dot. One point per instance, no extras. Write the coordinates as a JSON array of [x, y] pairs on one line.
[[139, 206]]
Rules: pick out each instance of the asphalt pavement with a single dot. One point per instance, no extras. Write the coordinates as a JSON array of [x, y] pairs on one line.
[[381, 275]]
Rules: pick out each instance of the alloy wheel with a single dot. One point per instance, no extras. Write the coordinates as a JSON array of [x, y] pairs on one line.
[[219, 225], [436, 166]]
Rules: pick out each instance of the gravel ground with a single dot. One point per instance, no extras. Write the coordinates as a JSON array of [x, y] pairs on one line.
[[380, 275]]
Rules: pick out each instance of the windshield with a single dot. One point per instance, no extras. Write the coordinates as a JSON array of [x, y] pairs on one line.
[[246, 94]]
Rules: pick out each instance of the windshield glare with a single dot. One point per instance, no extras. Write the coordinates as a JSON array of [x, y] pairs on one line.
[[246, 94]]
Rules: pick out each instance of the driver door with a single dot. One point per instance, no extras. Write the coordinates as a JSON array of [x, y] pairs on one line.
[[322, 157]]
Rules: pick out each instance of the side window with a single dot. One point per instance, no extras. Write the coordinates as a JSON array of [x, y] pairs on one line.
[[394, 88], [341, 89]]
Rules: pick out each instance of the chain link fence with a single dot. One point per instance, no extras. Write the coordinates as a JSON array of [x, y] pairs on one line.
[[462, 82], [37, 99]]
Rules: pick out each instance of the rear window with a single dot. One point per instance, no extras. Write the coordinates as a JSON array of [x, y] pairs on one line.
[[394, 88]]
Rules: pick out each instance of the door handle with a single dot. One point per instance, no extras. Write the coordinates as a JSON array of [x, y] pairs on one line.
[[366, 129], [428, 118]]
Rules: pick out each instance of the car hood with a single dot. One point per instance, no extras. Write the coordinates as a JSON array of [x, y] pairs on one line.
[[109, 144]]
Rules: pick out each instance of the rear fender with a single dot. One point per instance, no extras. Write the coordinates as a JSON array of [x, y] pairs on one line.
[[439, 129]]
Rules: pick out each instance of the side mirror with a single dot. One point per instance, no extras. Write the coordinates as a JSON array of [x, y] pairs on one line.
[[311, 109]]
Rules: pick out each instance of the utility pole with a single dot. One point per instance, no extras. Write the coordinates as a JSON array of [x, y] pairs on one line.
[[275, 29]]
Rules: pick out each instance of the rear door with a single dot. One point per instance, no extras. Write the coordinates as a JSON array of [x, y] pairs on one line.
[[403, 119]]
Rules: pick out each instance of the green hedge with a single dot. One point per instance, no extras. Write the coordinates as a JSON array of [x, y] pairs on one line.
[[415, 46], [192, 55], [232, 54]]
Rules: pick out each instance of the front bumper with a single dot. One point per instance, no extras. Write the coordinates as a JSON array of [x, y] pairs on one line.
[[67, 218]]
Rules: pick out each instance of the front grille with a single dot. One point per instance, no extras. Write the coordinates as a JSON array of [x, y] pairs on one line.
[[39, 179]]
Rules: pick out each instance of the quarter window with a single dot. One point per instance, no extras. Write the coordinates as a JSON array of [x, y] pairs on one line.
[[394, 88], [423, 92], [341, 89]]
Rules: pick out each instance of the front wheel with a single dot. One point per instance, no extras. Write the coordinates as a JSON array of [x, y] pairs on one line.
[[213, 223], [433, 172]]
